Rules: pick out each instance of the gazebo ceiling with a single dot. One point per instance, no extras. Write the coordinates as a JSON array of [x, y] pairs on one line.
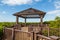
[[30, 13]]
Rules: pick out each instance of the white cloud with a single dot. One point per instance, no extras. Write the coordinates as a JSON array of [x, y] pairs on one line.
[[57, 4], [3, 12], [38, 0], [1, 19], [54, 12], [4, 17], [58, 15], [18, 2]]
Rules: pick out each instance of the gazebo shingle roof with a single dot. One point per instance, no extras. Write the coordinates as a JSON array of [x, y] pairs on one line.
[[30, 13]]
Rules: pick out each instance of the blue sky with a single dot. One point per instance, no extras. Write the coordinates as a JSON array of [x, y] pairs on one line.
[[9, 7]]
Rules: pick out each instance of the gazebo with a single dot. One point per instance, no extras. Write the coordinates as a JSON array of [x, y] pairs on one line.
[[30, 13]]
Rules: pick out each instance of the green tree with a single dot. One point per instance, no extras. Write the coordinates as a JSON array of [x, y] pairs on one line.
[[57, 18]]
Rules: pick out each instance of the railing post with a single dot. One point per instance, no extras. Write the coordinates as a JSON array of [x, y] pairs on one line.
[[17, 19], [32, 35], [41, 19], [13, 34], [25, 21], [48, 31], [35, 36]]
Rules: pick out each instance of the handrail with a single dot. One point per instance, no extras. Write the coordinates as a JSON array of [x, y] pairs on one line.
[[8, 28], [44, 37], [17, 30]]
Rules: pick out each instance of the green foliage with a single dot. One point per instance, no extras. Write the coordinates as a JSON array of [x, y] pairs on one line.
[[55, 23], [1, 31], [57, 18], [45, 32]]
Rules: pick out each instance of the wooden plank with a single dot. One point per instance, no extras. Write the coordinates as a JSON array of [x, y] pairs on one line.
[[43, 37]]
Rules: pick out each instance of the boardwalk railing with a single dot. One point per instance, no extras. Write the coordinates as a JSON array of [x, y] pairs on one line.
[[11, 34], [15, 34], [41, 37]]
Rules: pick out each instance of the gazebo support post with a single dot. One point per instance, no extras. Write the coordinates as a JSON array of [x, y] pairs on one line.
[[41, 22], [17, 19], [25, 21]]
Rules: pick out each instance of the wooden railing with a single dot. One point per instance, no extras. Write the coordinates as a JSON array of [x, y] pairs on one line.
[[8, 34], [41, 37], [15, 34], [21, 35]]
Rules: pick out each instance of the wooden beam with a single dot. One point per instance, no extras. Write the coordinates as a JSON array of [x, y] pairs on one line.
[[32, 17], [13, 34], [25, 21], [21, 16], [41, 22], [17, 19]]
